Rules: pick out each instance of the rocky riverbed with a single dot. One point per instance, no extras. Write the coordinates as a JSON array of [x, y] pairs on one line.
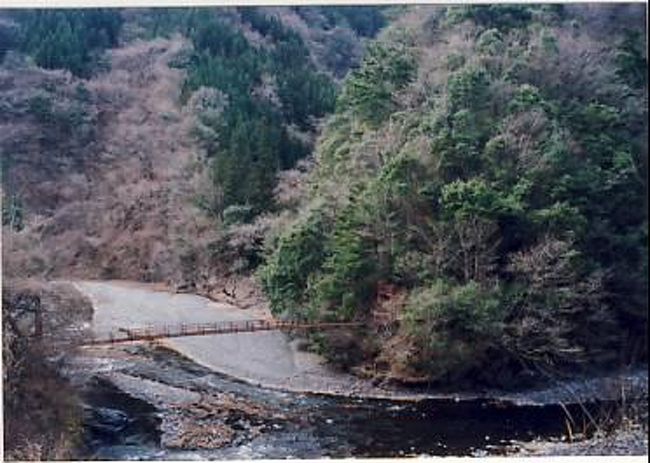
[[158, 401], [149, 402]]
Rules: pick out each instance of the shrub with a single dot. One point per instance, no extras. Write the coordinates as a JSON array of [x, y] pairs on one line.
[[41, 107], [468, 89], [12, 213], [552, 290], [286, 275], [349, 273], [453, 327], [476, 197], [237, 214], [525, 98], [490, 42]]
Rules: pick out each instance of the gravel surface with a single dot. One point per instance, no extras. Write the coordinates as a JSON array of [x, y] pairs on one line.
[[157, 394], [603, 387], [624, 442], [268, 358]]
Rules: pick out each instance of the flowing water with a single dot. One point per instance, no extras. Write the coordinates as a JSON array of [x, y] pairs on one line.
[[118, 426], [142, 401]]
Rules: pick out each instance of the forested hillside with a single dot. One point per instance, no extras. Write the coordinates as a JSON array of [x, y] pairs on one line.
[[479, 194], [139, 135], [267, 80], [467, 184], [470, 185]]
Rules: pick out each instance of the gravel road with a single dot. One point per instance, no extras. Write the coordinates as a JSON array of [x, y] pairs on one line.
[[271, 360], [267, 358]]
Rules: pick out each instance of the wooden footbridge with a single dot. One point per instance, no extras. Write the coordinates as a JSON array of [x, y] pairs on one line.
[[150, 333]]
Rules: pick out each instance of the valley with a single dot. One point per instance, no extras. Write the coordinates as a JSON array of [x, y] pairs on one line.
[[465, 185]]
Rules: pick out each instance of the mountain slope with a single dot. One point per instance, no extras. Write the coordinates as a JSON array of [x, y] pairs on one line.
[[125, 166], [478, 200], [123, 206]]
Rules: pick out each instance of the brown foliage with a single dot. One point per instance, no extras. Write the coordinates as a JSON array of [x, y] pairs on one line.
[[478, 242], [116, 207], [41, 411], [543, 329]]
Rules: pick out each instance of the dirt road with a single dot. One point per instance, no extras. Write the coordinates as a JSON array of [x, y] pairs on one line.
[[271, 359], [265, 358]]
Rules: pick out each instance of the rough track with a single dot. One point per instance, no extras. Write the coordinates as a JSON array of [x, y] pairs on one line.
[[271, 360], [267, 358]]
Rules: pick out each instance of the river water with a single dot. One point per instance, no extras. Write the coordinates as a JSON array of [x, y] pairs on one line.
[[118, 426], [180, 400]]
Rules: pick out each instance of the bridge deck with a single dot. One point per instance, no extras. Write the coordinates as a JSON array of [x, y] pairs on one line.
[[202, 329]]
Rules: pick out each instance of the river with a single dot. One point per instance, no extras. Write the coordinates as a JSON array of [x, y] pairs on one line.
[[181, 401], [123, 427]]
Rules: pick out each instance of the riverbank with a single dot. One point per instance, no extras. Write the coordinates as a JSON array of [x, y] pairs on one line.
[[274, 361], [42, 411], [256, 395], [148, 402], [619, 443], [267, 359]]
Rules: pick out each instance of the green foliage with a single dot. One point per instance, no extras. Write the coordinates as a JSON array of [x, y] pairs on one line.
[[490, 42], [68, 39], [455, 327], [167, 21], [306, 95], [468, 89], [369, 92], [549, 43], [249, 142], [264, 25], [455, 61], [12, 213], [8, 38], [476, 198], [560, 217], [286, 275], [237, 214], [348, 274], [41, 107], [245, 166], [508, 203], [492, 16], [364, 20], [468, 311], [65, 118], [526, 97], [632, 61], [218, 39]]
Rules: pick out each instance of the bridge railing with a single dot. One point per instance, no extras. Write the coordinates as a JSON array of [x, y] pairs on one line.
[[209, 328]]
